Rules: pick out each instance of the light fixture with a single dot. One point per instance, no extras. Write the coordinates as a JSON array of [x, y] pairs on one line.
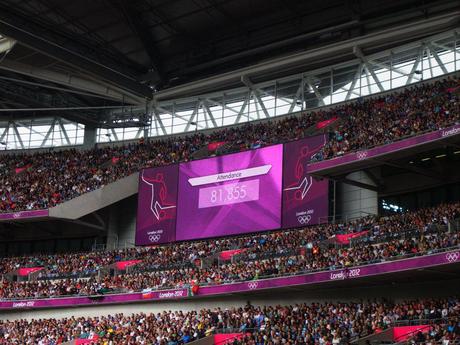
[[425, 159], [440, 156]]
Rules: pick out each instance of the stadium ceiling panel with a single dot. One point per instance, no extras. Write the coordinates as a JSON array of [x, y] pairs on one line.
[[100, 54]]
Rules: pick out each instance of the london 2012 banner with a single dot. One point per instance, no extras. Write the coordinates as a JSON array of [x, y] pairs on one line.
[[157, 205], [305, 199]]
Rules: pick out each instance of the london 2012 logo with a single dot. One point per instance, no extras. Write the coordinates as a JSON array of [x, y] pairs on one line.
[[452, 257], [154, 238], [253, 285], [159, 192], [304, 219], [154, 235], [361, 155]]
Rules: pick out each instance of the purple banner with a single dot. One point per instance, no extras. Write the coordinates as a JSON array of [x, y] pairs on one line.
[[385, 149], [414, 263], [305, 200], [156, 208], [336, 275], [100, 299], [24, 214], [230, 195]]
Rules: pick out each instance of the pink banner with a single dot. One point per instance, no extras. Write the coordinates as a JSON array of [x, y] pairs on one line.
[[24, 214], [406, 332], [215, 145], [223, 339], [325, 123], [122, 265], [25, 271], [345, 238], [228, 254]]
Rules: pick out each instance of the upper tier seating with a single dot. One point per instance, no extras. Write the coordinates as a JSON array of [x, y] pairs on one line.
[[43, 180]]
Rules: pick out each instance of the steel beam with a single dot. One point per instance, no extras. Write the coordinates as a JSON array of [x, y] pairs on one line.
[[211, 101], [160, 122], [243, 108], [72, 81], [6, 44], [297, 95], [316, 92], [64, 131], [256, 93], [415, 66], [438, 60], [192, 118], [5, 132], [395, 34], [45, 139], [135, 21], [211, 116], [33, 36], [357, 76]]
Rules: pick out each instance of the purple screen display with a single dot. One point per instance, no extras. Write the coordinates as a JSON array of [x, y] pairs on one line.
[[157, 205], [232, 194], [305, 200]]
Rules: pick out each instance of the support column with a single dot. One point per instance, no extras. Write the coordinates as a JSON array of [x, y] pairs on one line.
[[354, 201], [89, 139], [121, 226]]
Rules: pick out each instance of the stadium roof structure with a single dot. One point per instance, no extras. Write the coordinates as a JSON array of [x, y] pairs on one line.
[[86, 58]]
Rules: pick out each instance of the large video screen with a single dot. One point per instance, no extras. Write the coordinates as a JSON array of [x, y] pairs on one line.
[[156, 210], [305, 199], [231, 194]]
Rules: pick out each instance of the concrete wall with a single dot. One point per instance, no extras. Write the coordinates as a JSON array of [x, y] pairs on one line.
[[121, 228], [393, 291], [355, 201], [98, 199]]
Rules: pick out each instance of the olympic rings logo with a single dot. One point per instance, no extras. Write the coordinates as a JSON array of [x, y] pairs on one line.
[[304, 219], [361, 155], [154, 238], [253, 285], [452, 257]]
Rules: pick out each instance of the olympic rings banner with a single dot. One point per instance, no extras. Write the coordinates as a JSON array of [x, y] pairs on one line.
[[305, 199], [356, 272]]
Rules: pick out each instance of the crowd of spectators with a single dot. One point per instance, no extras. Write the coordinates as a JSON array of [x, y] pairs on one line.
[[317, 323], [253, 246], [42, 180], [384, 120], [273, 254]]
